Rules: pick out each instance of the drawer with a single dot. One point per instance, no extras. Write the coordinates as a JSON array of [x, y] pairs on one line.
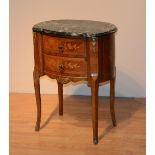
[[65, 66], [64, 46]]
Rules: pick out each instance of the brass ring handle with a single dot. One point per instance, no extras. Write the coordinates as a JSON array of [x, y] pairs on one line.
[[61, 67]]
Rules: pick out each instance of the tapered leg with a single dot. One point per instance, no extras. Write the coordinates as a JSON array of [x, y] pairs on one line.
[[38, 98], [60, 94], [94, 91], [112, 101]]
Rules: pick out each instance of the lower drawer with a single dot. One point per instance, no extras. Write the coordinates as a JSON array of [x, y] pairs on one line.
[[65, 66]]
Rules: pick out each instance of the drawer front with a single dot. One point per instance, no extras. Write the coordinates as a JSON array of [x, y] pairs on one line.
[[65, 66], [64, 46]]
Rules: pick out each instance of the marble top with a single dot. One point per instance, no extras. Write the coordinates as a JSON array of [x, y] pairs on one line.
[[84, 28]]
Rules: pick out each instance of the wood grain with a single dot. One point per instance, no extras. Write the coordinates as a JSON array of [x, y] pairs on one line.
[[71, 134]]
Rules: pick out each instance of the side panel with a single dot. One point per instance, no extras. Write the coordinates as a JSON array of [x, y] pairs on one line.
[[106, 52]]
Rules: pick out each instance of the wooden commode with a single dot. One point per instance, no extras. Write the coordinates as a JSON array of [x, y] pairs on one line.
[[75, 50]]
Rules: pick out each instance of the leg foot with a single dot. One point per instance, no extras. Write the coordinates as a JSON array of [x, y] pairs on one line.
[[114, 123], [37, 127], [95, 140]]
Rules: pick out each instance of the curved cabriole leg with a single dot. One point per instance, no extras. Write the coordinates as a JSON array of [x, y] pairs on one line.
[[60, 94], [112, 101], [38, 98], [94, 92]]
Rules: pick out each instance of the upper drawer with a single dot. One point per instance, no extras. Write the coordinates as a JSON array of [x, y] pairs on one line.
[[64, 46]]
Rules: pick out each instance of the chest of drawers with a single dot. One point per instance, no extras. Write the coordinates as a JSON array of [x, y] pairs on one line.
[[74, 50]]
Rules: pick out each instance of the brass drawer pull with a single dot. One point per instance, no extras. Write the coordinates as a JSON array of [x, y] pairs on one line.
[[61, 67], [61, 49]]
